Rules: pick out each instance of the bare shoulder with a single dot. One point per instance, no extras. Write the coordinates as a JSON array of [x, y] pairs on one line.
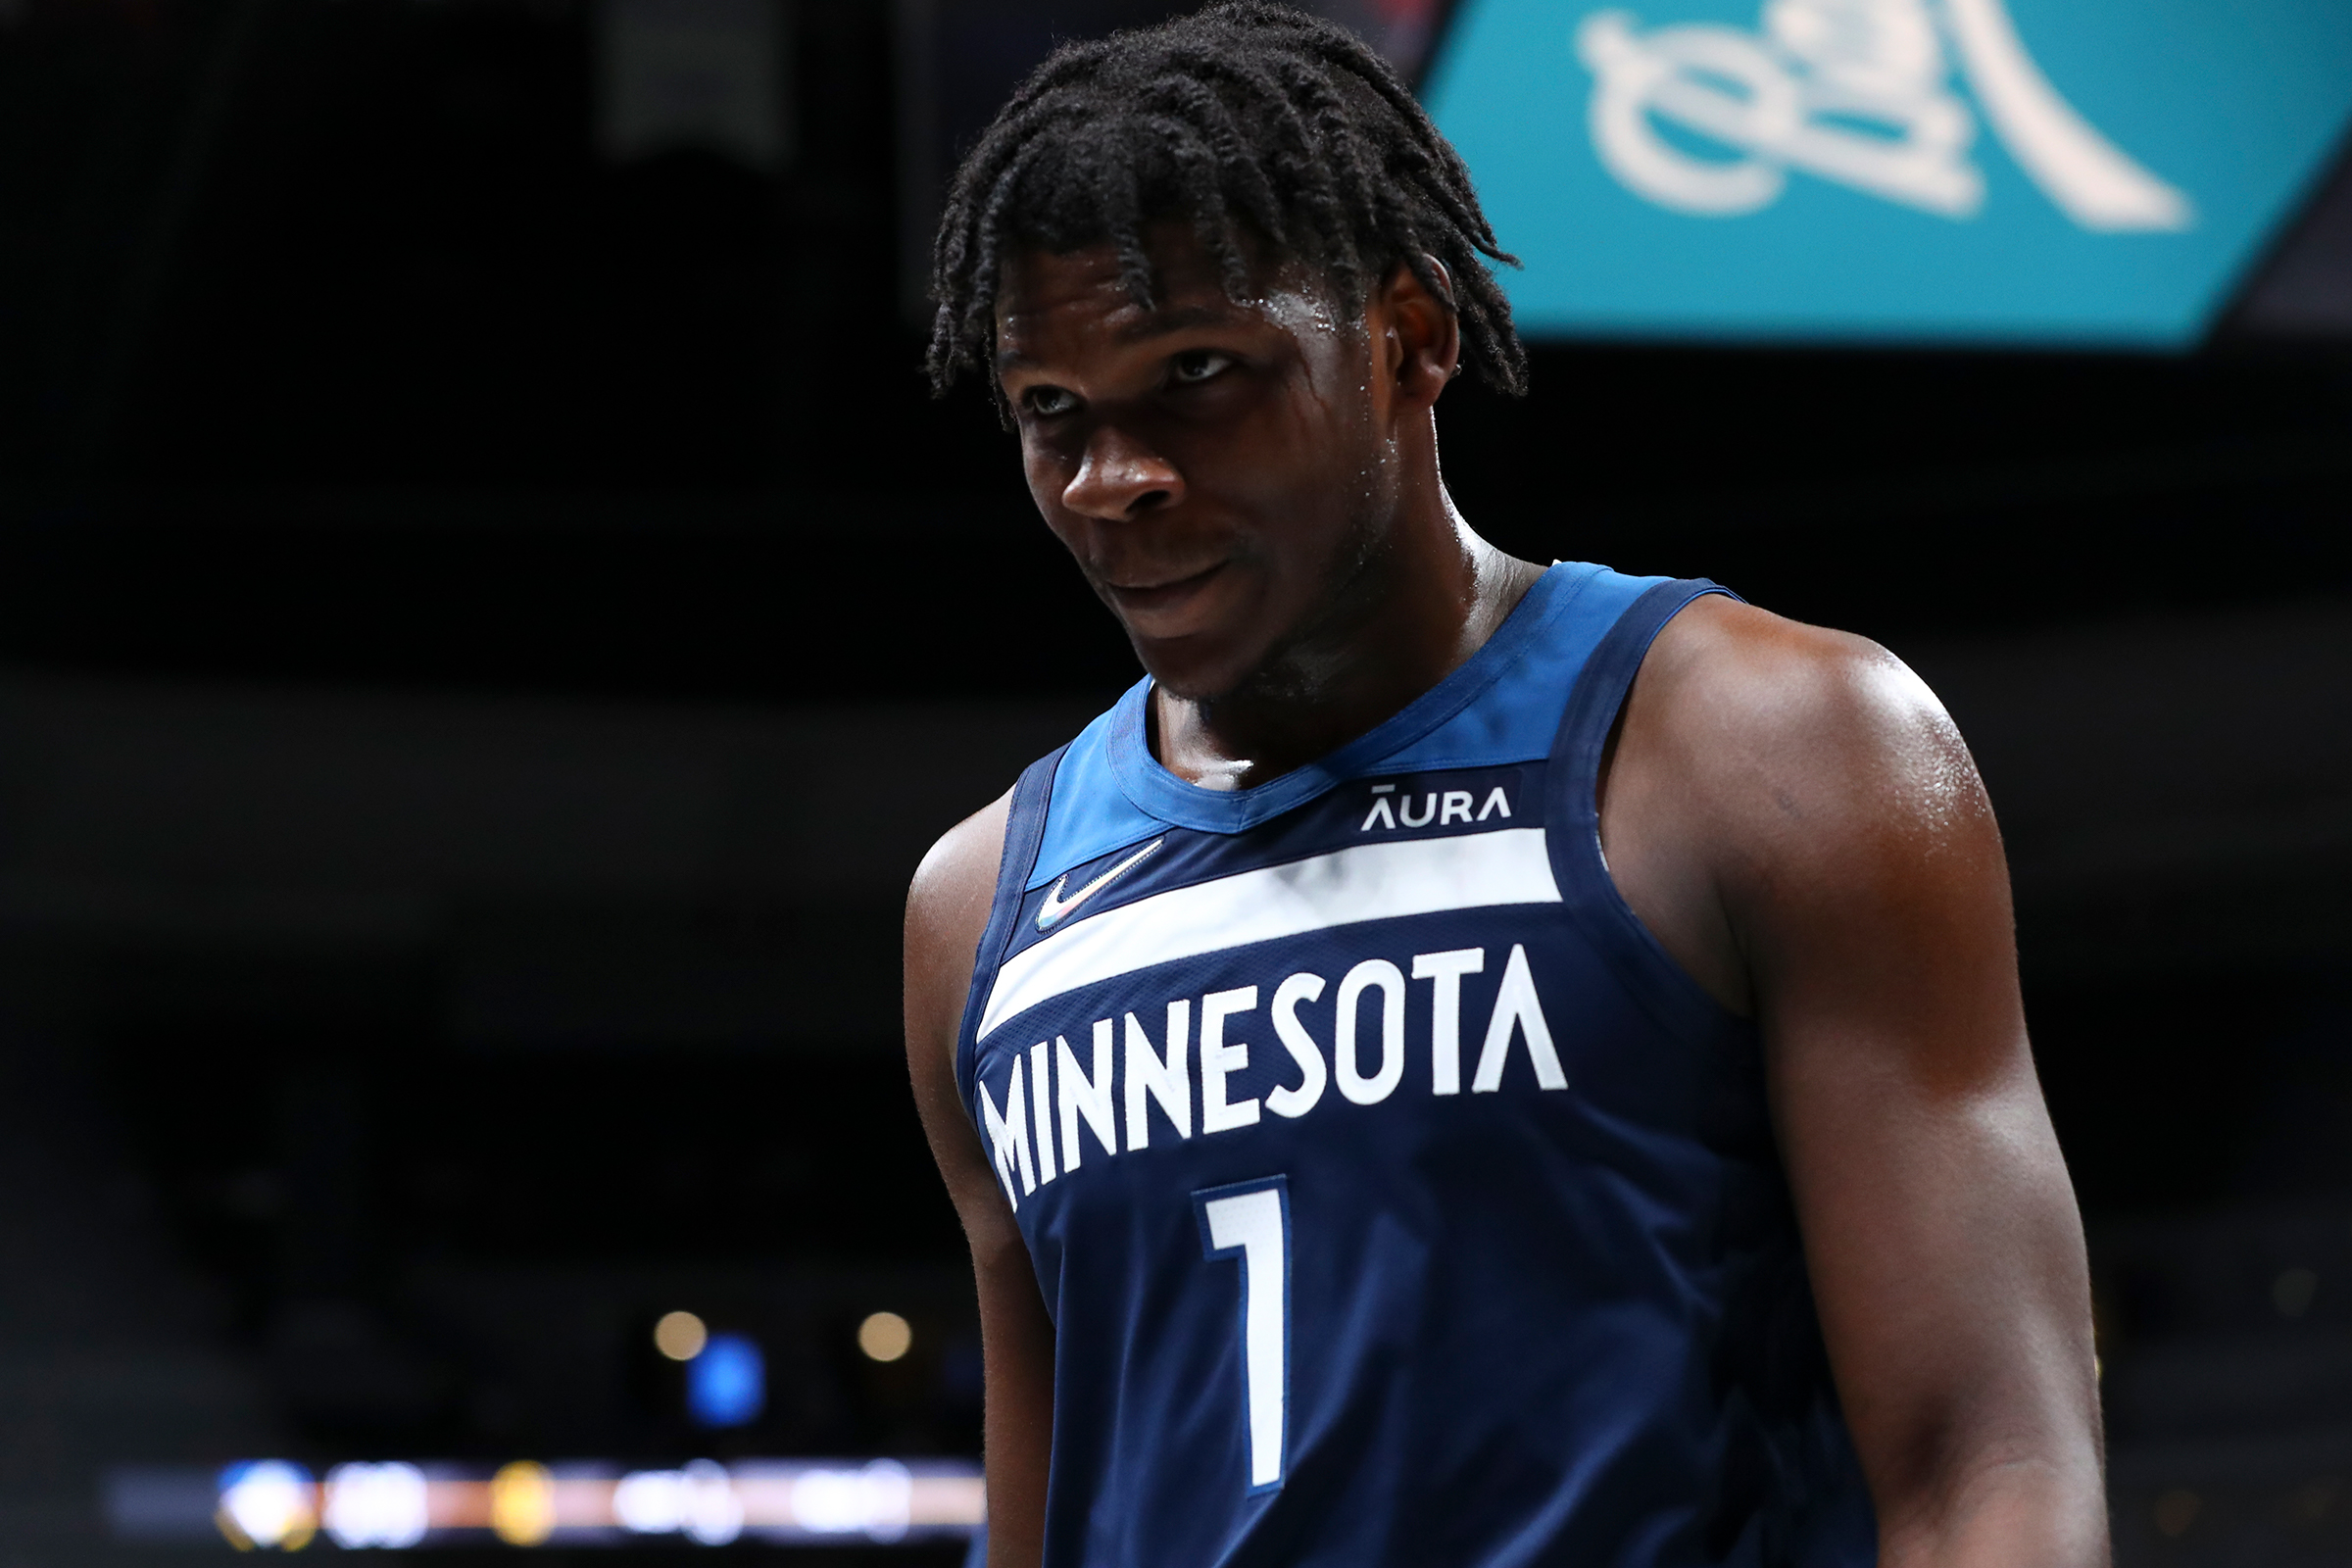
[[957, 875], [1740, 671], [1772, 720], [1771, 778], [947, 912]]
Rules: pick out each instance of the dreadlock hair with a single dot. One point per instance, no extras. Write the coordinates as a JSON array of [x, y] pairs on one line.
[[1261, 125]]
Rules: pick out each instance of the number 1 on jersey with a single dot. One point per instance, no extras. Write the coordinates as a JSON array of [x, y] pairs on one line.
[[1252, 1221]]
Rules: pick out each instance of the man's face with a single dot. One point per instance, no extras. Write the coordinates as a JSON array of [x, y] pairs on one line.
[[1222, 471]]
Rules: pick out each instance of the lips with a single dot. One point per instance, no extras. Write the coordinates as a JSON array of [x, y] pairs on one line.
[[1164, 594]]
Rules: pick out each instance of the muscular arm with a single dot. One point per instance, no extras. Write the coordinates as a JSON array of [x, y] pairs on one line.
[[1794, 816], [946, 912]]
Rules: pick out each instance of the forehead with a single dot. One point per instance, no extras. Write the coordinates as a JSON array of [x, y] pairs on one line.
[[1079, 300]]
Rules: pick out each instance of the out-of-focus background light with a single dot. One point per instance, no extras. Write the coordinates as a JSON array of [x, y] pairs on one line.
[[267, 1503], [522, 1503], [377, 1505], [885, 1337], [727, 1385], [680, 1336], [273, 1504], [698, 1501]]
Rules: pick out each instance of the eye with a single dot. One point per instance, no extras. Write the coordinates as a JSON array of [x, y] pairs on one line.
[[1048, 402], [1195, 365]]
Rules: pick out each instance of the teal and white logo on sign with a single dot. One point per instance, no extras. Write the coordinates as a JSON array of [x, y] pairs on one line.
[[2083, 170]]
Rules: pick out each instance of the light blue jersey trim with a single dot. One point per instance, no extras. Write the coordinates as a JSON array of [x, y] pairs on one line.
[[1090, 814], [1111, 790], [1522, 724]]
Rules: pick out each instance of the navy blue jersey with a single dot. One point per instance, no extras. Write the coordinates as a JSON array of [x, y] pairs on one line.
[[1396, 1197]]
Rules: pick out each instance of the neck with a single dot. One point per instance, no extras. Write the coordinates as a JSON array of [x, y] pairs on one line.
[[1424, 600]]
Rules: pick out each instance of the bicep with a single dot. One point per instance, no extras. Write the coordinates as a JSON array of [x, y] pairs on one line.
[[947, 910], [1939, 1225]]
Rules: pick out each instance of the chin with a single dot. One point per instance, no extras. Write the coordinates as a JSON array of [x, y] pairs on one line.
[[1207, 678], [1195, 673], [1191, 682], [1243, 646]]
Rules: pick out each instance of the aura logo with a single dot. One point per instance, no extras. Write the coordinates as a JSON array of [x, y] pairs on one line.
[[1860, 92], [1452, 805]]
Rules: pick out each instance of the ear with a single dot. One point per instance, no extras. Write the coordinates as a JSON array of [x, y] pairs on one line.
[[1420, 328]]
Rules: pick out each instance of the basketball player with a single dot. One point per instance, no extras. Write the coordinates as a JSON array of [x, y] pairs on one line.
[[1468, 1063]]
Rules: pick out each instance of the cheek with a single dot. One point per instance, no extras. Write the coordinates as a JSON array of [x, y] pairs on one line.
[[1037, 461], [1329, 463], [1048, 470], [1049, 475], [1330, 421], [1295, 454]]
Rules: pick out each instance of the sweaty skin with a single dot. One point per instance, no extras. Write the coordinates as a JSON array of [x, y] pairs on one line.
[[1254, 490]]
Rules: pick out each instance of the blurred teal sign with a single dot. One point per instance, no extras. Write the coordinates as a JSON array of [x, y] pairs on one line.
[[1989, 171]]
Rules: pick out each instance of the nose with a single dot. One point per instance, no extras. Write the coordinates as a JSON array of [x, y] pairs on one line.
[[1119, 477]]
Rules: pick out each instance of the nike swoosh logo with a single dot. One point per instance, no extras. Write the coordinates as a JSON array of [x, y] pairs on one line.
[[1056, 909]]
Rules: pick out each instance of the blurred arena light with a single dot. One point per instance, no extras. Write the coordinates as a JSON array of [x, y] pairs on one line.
[[274, 1504], [727, 1385], [522, 1503], [698, 1501], [680, 1336], [885, 1337], [268, 1503], [375, 1505]]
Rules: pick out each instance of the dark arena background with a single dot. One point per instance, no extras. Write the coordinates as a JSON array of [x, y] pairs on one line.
[[490, 616]]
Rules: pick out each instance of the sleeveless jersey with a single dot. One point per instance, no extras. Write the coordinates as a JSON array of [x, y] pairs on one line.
[[1396, 1197]]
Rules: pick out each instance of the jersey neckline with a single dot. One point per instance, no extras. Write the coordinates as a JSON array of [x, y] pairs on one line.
[[1161, 794]]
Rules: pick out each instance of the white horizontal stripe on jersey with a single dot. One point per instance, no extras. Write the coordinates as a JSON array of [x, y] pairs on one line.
[[1346, 887]]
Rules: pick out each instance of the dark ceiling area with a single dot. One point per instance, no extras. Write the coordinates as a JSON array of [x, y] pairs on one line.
[[339, 351]]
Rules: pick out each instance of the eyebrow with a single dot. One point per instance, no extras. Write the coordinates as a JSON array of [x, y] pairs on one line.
[[1158, 324], [1161, 323]]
